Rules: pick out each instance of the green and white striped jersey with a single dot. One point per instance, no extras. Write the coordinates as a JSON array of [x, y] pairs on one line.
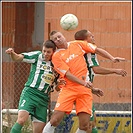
[[41, 73], [91, 60]]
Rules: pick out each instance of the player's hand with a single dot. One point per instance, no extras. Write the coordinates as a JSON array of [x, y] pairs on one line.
[[118, 59], [9, 50], [60, 82], [97, 92], [121, 72], [88, 84]]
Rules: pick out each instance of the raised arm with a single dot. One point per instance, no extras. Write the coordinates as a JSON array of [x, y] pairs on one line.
[[107, 55], [104, 71], [14, 56]]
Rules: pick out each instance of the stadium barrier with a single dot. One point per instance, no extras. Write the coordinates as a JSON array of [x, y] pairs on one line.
[[107, 121]]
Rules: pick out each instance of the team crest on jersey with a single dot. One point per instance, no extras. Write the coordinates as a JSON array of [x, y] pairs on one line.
[[48, 78], [57, 105]]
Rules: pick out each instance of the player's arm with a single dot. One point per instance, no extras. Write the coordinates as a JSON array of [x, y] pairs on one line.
[[14, 56], [73, 78], [77, 80], [91, 48], [104, 71], [57, 88], [95, 91], [60, 82], [107, 55]]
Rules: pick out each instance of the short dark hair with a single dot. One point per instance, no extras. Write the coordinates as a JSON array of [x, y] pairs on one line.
[[81, 35], [52, 33], [49, 44]]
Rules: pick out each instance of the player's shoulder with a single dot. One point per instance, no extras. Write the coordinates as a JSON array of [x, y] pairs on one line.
[[77, 41], [32, 53], [37, 52], [58, 51]]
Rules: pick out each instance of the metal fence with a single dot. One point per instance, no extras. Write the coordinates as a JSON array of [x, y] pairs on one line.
[[15, 74]]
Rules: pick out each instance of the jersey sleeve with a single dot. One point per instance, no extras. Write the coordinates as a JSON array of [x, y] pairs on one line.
[[87, 47], [59, 65], [31, 57]]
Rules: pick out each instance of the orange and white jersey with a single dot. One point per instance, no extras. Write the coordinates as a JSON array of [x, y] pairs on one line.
[[72, 59]]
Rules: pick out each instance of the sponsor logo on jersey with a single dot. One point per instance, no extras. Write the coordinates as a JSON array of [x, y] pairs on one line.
[[72, 56], [48, 78], [45, 67]]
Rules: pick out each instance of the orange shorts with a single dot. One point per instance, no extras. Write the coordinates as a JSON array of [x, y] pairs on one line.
[[69, 95]]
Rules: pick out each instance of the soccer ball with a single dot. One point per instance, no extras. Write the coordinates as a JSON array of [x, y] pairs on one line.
[[69, 22]]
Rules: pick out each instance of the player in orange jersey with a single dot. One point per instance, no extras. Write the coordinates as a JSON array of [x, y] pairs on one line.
[[69, 62], [94, 68]]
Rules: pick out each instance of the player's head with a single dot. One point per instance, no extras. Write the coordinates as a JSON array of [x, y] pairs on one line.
[[84, 35], [48, 49], [58, 39]]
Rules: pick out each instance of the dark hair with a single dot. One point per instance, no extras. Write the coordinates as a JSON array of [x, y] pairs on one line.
[[49, 44], [81, 35], [52, 32]]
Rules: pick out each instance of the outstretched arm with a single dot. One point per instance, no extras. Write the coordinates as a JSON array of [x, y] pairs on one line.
[[104, 71], [107, 55], [14, 56]]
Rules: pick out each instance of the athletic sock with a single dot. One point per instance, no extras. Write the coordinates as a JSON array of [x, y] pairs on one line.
[[16, 128], [80, 131], [94, 130], [48, 128]]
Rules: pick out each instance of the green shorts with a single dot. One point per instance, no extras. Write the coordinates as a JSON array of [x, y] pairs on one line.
[[35, 102], [93, 110]]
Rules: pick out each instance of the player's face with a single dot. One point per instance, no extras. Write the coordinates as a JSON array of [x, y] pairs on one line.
[[47, 53], [90, 38], [59, 40]]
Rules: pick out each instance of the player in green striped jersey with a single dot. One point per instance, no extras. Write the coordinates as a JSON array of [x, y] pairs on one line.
[[35, 95], [94, 68]]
